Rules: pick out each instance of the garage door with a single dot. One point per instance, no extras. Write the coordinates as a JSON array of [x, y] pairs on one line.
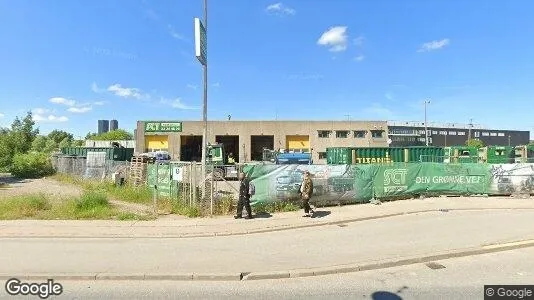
[[156, 143], [298, 142]]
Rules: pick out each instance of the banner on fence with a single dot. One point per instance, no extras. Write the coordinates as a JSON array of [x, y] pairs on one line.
[[360, 183]]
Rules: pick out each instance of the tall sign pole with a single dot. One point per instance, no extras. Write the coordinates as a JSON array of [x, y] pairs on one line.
[[201, 52], [426, 126]]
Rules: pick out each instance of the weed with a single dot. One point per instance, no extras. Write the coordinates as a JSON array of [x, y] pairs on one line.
[[23, 207]]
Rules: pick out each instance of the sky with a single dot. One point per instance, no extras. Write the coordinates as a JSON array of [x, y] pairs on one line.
[[72, 63]]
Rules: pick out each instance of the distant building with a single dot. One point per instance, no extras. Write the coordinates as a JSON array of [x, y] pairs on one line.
[[113, 125], [403, 134], [103, 126]]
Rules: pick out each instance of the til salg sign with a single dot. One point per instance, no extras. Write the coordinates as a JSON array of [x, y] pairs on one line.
[[163, 126]]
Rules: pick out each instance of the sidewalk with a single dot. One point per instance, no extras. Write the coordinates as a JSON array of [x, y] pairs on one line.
[[226, 225]]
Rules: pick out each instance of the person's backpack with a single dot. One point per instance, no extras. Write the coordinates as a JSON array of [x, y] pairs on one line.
[[251, 189]]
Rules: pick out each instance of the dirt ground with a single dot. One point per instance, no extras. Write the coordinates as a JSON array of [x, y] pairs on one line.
[[11, 186]]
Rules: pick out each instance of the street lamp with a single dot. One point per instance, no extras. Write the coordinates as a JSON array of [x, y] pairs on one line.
[[426, 125], [201, 50]]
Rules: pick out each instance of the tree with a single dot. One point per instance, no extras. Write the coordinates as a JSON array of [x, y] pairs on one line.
[[474, 143], [65, 142], [114, 135], [50, 146], [59, 135], [22, 134], [39, 143]]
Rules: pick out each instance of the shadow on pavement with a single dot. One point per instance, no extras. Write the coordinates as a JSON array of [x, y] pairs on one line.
[[381, 295], [321, 213], [263, 215]]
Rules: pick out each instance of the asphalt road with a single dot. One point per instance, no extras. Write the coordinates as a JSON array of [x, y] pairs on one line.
[[461, 278], [391, 238]]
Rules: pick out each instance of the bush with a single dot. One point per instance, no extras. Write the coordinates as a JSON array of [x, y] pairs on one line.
[[31, 165]]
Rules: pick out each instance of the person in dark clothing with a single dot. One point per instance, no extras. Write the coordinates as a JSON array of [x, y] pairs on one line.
[[244, 197], [306, 191]]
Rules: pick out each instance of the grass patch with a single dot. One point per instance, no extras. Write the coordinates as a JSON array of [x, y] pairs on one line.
[[23, 207], [126, 193], [91, 205]]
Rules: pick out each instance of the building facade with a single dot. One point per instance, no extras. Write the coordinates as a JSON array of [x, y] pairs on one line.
[[113, 125], [247, 139], [103, 126], [404, 134]]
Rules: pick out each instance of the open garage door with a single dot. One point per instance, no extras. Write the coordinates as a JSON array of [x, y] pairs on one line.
[[231, 145], [258, 143], [298, 143], [191, 148]]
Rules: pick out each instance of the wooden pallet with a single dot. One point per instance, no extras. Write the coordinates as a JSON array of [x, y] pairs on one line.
[[138, 170]]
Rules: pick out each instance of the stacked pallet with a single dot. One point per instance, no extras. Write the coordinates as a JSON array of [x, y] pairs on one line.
[[138, 170]]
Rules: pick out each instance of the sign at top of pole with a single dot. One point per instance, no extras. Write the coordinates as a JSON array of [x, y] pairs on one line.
[[201, 42]]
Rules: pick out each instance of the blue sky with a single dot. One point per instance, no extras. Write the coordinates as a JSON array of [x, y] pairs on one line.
[[75, 62]]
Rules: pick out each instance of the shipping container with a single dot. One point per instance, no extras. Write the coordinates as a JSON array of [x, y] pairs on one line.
[[117, 154], [353, 155], [524, 154], [497, 154], [461, 154]]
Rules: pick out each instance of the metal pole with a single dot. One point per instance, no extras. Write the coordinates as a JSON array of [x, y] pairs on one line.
[[426, 126], [470, 126], [205, 106]]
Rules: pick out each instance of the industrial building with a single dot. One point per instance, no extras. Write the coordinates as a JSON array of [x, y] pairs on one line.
[[247, 139], [404, 134]]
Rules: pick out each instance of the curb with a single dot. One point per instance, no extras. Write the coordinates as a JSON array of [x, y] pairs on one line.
[[258, 231], [297, 273]]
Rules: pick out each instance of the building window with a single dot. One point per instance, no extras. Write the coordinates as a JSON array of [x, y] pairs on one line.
[[452, 132], [493, 134], [485, 133], [360, 134], [443, 132], [322, 155], [377, 133], [324, 133], [461, 132], [477, 134], [421, 132], [421, 139], [342, 134], [434, 132], [501, 133]]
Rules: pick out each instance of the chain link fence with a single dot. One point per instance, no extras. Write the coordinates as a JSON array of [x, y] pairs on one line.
[[93, 167]]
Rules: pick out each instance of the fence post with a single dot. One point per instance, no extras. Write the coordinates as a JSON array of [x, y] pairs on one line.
[[211, 191], [155, 200]]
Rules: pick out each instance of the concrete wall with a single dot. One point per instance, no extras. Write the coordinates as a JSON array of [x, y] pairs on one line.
[[279, 129]]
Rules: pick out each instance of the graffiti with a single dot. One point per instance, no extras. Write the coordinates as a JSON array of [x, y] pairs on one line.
[[512, 178]]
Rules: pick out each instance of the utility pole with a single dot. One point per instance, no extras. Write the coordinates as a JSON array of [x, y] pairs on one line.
[[348, 117], [426, 125], [470, 127]]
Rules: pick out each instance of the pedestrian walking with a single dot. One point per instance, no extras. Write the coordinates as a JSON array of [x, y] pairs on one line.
[[246, 190], [306, 192]]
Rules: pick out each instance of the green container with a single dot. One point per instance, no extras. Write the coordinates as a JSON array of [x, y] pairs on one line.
[[381, 155], [461, 154], [116, 154], [498, 154]]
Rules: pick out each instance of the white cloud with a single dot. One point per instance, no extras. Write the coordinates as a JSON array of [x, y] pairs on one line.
[[335, 38], [378, 111], [40, 111], [95, 88], [80, 110], [280, 9], [124, 92], [2, 115], [192, 86], [217, 85], [99, 103], [359, 58], [177, 103], [434, 45], [389, 96], [305, 77], [64, 101], [359, 41], [49, 118], [175, 34]]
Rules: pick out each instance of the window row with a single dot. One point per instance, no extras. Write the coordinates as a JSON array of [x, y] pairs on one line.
[[343, 134]]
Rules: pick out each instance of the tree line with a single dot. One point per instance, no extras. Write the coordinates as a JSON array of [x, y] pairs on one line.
[[26, 153]]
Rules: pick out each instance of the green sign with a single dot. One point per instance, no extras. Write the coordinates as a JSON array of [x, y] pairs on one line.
[[163, 126]]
